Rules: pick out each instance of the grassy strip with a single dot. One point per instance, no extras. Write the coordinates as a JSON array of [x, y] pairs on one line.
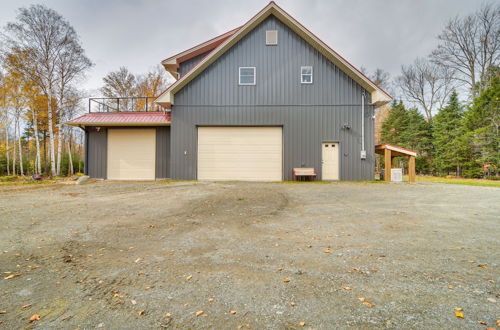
[[467, 182]]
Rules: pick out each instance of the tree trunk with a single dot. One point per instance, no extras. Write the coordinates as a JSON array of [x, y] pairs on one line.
[[7, 146], [70, 160], [45, 152], [38, 168], [14, 151], [59, 149], [21, 169], [51, 136]]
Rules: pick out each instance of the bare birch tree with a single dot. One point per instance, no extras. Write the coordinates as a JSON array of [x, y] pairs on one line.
[[426, 84], [470, 45], [43, 37]]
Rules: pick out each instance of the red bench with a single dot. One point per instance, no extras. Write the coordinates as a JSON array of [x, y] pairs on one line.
[[303, 173]]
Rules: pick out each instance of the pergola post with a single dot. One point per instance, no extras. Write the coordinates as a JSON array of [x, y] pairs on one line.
[[388, 164], [411, 169]]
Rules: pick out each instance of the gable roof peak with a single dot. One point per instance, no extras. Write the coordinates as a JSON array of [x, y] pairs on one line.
[[379, 96]]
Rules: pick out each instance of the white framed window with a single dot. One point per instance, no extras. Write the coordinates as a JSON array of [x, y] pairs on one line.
[[247, 75], [306, 74], [271, 37]]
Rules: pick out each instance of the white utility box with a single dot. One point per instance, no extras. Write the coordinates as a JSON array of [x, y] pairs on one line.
[[396, 174]]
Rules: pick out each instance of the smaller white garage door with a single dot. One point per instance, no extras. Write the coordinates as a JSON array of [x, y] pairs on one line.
[[131, 154], [240, 153]]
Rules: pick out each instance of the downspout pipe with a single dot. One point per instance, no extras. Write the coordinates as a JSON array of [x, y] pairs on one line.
[[363, 150]]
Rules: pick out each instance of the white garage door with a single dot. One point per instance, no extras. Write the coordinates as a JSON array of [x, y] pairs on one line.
[[131, 154], [240, 153]]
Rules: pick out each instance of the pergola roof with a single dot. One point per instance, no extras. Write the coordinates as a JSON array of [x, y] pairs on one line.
[[395, 150]]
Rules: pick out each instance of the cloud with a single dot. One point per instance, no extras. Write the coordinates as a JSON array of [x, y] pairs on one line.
[[140, 33]]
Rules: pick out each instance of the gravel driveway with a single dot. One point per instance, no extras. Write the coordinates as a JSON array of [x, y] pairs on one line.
[[129, 255]]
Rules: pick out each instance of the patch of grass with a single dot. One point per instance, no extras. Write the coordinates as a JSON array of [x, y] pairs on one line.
[[461, 181]]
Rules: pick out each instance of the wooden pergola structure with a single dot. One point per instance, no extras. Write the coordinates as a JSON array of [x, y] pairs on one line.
[[390, 151]]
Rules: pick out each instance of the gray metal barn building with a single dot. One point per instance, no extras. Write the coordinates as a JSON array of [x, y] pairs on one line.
[[251, 104]]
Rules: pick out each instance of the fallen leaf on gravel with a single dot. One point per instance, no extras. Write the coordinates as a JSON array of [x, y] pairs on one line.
[[366, 303], [189, 277], [347, 288], [11, 276], [232, 312], [33, 318], [302, 324], [211, 299], [286, 280], [471, 261], [374, 270], [3, 312], [498, 323], [491, 328], [327, 251], [459, 315], [293, 304], [481, 322], [141, 312], [198, 313], [482, 266], [26, 306]]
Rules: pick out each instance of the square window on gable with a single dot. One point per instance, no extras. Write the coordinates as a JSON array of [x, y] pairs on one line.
[[306, 74], [247, 76], [271, 37]]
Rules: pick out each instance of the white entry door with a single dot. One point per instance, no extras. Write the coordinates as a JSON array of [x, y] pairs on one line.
[[330, 161]]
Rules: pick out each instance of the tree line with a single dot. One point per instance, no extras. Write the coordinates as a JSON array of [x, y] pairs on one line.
[[447, 105], [42, 63]]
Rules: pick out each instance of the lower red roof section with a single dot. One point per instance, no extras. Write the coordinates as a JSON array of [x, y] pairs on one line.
[[122, 118]]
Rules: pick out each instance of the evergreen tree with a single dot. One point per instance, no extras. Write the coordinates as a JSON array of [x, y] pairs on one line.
[[449, 156], [408, 128], [482, 123]]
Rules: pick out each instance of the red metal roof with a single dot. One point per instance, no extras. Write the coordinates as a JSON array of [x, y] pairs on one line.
[[122, 119]]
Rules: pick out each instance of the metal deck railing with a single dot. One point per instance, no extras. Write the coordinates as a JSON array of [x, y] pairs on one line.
[[124, 104]]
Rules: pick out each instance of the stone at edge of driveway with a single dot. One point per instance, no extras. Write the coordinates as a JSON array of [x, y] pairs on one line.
[[82, 179]]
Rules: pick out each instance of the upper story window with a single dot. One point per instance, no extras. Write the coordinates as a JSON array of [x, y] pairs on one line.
[[247, 75], [271, 37], [306, 74]]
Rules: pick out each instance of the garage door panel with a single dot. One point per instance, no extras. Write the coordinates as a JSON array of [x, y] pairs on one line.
[[240, 153], [131, 154]]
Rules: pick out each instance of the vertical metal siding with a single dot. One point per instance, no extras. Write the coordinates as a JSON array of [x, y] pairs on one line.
[[162, 152], [189, 64], [309, 113], [97, 153]]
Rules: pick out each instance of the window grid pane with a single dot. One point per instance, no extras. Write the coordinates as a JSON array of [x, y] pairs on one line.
[[306, 74]]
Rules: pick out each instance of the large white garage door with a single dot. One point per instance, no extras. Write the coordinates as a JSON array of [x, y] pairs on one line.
[[131, 154], [240, 153]]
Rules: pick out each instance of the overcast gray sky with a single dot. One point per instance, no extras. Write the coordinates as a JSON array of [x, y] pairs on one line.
[[140, 33]]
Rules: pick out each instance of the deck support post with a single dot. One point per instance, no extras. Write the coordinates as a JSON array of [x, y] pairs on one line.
[[411, 169], [388, 164]]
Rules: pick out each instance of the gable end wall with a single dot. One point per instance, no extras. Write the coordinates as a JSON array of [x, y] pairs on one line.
[[309, 114]]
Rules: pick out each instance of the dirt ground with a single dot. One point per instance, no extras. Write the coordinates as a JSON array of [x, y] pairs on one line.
[[125, 255]]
